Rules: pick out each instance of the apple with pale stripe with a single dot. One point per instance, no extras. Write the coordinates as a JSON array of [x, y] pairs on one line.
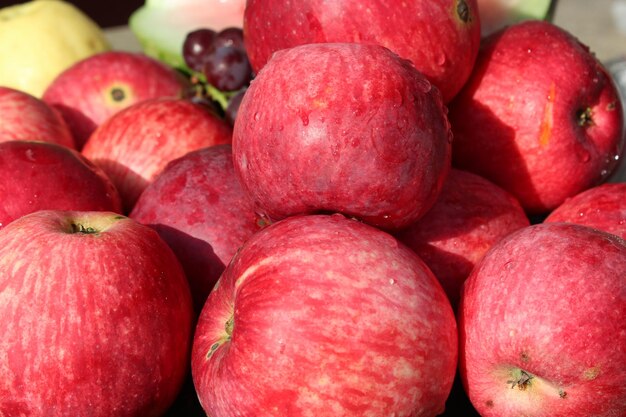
[[540, 116], [96, 317], [541, 324], [322, 315]]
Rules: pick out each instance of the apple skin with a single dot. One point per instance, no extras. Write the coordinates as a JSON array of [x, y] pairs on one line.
[[93, 89], [198, 207], [519, 119], [322, 315], [40, 175], [602, 207], [320, 130], [469, 217], [26, 117], [548, 300], [136, 143], [93, 324], [271, 25]]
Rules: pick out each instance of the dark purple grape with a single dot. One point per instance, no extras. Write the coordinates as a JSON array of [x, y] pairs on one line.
[[230, 114], [232, 36], [196, 46], [227, 68]]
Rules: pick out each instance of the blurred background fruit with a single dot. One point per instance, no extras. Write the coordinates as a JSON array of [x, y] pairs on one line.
[[41, 38]]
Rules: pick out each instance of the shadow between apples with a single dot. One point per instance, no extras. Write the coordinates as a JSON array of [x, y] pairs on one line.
[[487, 161], [80, 125], [201, 265]]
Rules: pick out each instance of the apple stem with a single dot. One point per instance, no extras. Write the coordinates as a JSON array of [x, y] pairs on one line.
[[229, 326], [79, 228], [462, 9], [585, 117]]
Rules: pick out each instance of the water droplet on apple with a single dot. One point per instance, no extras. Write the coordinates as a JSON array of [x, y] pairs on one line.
[[257, 116], [30, 155], [529, 50], [581, 214]]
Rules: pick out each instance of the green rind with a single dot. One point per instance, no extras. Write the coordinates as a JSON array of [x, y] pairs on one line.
[[164, 43]]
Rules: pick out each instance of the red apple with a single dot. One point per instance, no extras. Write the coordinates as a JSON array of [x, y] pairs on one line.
[[198, 207], [40, 175], [96, 317], [325, 316], [602, 207], [542, 326], [540, 116], [135, 144], [348, 128], [440, 37], [25, 117], [95, 88], [469, 217]]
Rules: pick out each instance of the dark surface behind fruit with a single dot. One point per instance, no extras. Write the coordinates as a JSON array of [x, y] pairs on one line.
[[105, 13]]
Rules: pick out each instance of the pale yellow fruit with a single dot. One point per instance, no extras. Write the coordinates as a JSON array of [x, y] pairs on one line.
[[41, 38]]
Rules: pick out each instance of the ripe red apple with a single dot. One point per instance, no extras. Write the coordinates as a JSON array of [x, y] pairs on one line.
[[542, 326], [95, 88], [325, 316], [338, 127], [440, 37], [469, 217], [198, 207], [540, 116], [40, 175], [602, 207], [135, 144], [25, 117], [96, 317]]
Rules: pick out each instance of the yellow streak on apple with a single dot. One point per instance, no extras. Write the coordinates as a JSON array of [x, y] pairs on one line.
[[548, 118]]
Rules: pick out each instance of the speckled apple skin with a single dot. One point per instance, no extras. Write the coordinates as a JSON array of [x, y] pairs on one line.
[[344, 128], [549, 299], [136, 143], [40, 175], [328, 317], [88, 93], [199, 208], [406, 27], [469, 217], [516, 120], [25, 117], [602, 207], [92, 325]]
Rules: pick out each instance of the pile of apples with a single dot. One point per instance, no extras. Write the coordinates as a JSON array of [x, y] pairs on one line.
[[405, 218]]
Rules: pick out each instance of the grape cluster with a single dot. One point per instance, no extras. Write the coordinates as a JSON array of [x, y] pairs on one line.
[[220, 67]]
